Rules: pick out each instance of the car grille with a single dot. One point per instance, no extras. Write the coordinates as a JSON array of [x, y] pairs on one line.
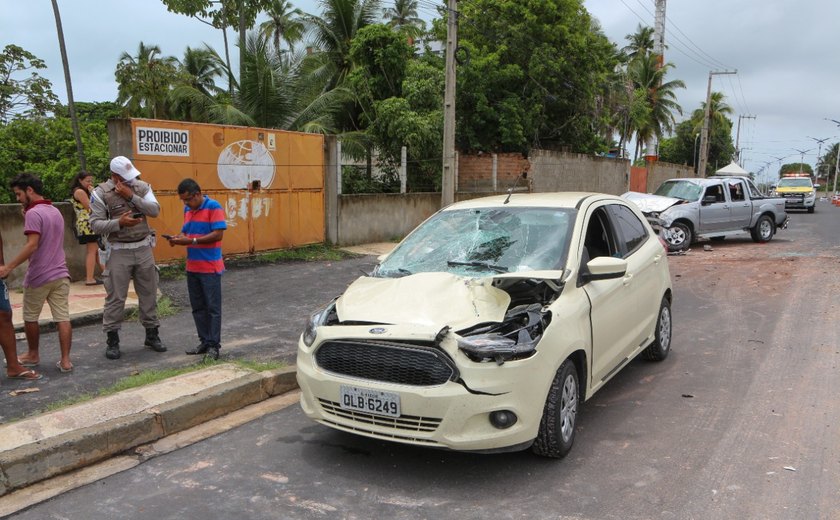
[[794, 196], [406, 424], [387, 362]]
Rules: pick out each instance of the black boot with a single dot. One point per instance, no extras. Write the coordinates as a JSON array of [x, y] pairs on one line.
[[112, 351], [153, 340]]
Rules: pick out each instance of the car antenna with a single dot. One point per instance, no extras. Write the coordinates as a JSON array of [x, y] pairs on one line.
[[522, 175]]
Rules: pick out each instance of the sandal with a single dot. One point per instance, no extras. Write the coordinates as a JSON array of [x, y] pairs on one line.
[[28, 364], [97, 282], [28, 375], [62, 369]]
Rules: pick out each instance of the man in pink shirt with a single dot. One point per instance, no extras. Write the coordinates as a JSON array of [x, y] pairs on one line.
[[47, 278]]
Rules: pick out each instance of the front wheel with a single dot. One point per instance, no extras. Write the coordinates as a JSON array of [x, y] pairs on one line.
[[678, 237], [763, 229], [811, 209], [658, 350], [557, 426]]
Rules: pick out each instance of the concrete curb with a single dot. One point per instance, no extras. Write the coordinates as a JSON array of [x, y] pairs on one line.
[[48, 456]]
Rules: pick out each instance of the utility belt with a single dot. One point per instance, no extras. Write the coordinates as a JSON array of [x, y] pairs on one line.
[[149, 240]]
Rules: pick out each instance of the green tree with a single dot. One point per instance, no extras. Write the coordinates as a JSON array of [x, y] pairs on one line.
[[639, 44], [144, 82], [655, 117], [403, 17], [284, 24], [684, 146], [534, 73], [796, 168], [195, 89], [333, 33], [828, 163], [31, 96]]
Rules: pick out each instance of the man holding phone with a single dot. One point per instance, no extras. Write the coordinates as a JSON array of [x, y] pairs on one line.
[[120, 207], [204, 226]]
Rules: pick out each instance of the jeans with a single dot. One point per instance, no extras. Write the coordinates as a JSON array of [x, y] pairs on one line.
[[206, 301]]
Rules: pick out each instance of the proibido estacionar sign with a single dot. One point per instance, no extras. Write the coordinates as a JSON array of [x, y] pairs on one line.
[[162, 141]]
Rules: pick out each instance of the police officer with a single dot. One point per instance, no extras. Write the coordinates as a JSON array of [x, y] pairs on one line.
[[120, 207]]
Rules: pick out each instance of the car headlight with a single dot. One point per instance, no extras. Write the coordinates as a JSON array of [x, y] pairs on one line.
[[316, 320], [515, 338]]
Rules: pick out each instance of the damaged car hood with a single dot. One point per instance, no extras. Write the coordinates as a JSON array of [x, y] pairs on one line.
[[426, 299], [650, 203]]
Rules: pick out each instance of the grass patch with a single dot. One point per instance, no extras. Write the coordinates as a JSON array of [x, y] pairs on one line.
[[148, 377], [310, 253], [165, 308], [175, 271]]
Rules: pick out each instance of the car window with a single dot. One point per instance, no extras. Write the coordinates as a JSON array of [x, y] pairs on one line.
[[736, 190], [632, 231], [599, 239], [716, 191], [484, 241], [754, 191], [795, 182]]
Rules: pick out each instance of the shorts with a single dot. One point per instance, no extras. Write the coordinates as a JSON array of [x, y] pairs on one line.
[[56, 293], [5, 304], [87, 239]]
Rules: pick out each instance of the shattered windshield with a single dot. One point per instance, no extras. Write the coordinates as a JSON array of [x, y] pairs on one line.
[[484, 241], [680, 190]]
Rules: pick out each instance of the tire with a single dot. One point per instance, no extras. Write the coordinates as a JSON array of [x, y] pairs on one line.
[[559, 421], [661, 346], [763, 230], [679, 237], [811, 209]]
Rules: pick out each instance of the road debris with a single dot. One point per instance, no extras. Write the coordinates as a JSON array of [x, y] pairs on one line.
[[15, 393], [790, 468]]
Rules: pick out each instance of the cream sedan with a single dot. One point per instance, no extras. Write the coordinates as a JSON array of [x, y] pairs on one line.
[[489, 325]]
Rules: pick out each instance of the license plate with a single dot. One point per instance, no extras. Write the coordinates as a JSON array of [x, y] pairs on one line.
[[370, 401]]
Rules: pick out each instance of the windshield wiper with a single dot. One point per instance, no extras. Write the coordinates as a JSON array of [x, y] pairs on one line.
[[475, 263]]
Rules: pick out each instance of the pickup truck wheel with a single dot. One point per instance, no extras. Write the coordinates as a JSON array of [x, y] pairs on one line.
[[763, 230], [658, 350], [811, 209], [679, 237], [557, 427]]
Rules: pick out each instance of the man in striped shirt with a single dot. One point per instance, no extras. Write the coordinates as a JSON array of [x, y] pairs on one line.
[[204, 225]]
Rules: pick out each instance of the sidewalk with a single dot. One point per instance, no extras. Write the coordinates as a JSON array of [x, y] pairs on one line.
[[57, 446]]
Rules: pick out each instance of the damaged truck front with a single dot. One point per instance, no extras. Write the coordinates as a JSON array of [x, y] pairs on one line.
[[476, 333], [713, 207]]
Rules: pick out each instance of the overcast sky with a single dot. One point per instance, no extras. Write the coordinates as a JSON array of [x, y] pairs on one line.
[[787, 54]]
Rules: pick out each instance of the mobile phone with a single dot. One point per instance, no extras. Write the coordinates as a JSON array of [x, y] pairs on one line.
[[137, 215], [164, 235]]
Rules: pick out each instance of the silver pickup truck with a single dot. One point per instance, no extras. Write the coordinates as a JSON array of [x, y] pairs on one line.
[[714, 207]]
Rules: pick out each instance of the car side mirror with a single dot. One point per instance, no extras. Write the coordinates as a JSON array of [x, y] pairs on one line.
[[709, 199], [604, 268]]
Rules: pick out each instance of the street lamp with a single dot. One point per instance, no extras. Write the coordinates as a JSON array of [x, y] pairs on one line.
[[802, 157], [819, 151]]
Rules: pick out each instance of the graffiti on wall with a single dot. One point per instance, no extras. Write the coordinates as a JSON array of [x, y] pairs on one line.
[[243, 162]]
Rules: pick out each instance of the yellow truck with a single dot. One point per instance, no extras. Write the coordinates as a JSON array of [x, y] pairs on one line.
[[798, 191]]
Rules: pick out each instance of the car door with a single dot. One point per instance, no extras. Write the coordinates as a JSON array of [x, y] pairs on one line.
[[610, 307], [740, 210], [714, 216], [644, 254]]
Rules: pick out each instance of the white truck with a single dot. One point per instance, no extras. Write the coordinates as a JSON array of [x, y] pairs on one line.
[[714, 207]]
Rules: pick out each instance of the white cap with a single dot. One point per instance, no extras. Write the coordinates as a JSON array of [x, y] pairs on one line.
[[123, 167]]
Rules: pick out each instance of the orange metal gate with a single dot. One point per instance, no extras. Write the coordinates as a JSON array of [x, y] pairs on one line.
[[270, 182]]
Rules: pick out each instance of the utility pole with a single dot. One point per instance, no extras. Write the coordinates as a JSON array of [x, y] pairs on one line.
[[704, 135], [738, 138], [448, 178], [652, 144]]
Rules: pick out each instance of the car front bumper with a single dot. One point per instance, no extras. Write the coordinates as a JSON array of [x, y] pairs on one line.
[[453, 415]]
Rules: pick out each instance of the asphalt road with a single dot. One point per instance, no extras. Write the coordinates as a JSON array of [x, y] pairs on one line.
[[741, 421]]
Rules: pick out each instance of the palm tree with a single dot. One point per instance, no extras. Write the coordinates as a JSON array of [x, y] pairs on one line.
[[403, 17], [718, 110], [284, 24], [196, 87], [71, 105], [654, 100], [334, 31], [144, 81], [640, 43]]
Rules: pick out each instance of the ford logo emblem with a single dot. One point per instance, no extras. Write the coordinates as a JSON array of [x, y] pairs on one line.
[[377, 330]]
